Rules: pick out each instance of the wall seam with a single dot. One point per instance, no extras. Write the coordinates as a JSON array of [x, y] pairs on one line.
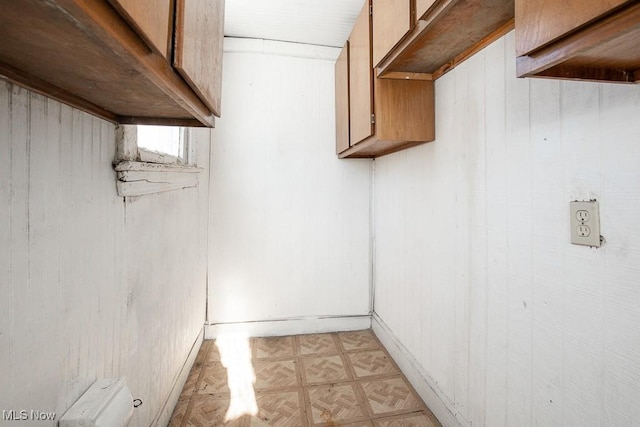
[[506, 308], [564, 180], [372, 238], [10, 91], [486, 242], [603, 337], [208, 195], [532, 254]]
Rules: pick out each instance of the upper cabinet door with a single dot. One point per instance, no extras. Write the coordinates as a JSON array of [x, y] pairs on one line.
[[361, 77], [198, 55], [422, 6], [342, 100], [391, 22], [152, 20], [539, 22]]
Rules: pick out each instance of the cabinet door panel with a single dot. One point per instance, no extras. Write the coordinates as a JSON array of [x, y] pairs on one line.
[[361, 78], [391, 22], [342, 100], [422, 6], [153, 20], [539, 22], [198, 56]]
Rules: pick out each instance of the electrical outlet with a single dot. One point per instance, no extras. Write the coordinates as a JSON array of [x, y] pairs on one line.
[[585, 223], [583, 231], [583, 216]]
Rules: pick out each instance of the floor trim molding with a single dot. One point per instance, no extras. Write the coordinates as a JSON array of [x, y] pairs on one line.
[[294, 326], [164, 415], [440, 405]]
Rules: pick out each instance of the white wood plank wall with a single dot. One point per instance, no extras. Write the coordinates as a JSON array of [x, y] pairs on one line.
[[474, 272], [289, 220], [91, 286]]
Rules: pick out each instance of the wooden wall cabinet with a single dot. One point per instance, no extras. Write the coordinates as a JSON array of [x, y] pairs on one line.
[[396, 50], [578, 39], [443, 33], [153, 21], [392, 21], [122, 60], [342, 100], [380, 116]]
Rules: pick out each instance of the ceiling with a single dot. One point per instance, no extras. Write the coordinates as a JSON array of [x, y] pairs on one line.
[[317, 22]]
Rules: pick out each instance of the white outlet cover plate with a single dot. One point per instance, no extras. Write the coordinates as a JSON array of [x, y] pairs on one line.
[[585, 223]]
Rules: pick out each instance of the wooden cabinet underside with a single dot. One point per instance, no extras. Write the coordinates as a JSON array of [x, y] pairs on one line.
[[82, 53], [605, 50], [449, 32]]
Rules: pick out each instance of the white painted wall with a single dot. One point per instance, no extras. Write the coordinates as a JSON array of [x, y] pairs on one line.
[[91, 285], [289, 228], [474, 273]]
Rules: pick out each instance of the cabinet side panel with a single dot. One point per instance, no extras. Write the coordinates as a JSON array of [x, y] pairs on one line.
[[361, 78], [405, 110], [342, 100], [539, 22], [391, 22], [153, 20], [198, 56]]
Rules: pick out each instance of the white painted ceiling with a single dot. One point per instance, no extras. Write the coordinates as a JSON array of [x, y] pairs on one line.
[[318, 22]]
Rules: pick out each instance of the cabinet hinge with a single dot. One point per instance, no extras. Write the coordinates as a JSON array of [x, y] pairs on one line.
[[373, 119], [371, 9]]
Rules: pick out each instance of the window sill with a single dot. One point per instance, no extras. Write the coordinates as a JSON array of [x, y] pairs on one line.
[[140, 178]]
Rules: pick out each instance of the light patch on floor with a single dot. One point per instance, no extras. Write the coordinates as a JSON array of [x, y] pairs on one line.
[[235, 356], [338, 379]]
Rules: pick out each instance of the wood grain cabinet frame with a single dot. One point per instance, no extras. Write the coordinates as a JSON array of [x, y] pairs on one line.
[[377, 116], [396, 50], [444, 33], [342, 100], [595, 40], [404, 117], [361, 78], [152, 20], [114, 58], [392, 21], [199, 39]]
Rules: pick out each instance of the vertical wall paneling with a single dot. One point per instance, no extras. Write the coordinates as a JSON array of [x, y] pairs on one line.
[[496, 229], [519, 241], [84, 273], [583, 273], [477, 292], [19, 240], [6, 303], [549, 237], [516, 326], [36, 223], [289, 229], [52, 235], [621, 301], [460, 143], [443, 247]]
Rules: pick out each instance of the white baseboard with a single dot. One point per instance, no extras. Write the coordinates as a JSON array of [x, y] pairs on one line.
[[164, 416], [298, 326], [440, 405]]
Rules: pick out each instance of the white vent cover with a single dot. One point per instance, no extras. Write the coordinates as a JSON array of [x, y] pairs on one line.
[[107, 403]]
